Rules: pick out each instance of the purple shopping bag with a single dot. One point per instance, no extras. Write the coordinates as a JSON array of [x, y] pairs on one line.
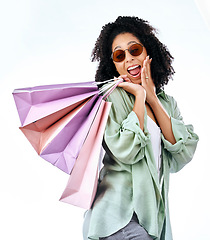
[[56, 119]]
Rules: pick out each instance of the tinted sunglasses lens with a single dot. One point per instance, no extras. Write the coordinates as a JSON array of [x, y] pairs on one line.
[[136, 49], [118, 55]]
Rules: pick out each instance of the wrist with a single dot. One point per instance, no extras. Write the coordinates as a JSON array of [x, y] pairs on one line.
[[140, 94], [153, 101]]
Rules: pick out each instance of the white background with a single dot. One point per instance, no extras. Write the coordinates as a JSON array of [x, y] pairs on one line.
[[49, 42]]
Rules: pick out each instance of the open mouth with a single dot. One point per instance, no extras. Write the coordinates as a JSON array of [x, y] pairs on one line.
[[134, 71]]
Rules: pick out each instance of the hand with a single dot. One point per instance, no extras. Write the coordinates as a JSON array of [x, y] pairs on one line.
[[135, 89], [147, 82], [140, 97]]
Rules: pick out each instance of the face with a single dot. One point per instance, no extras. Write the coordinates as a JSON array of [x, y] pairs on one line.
[[131, 65]]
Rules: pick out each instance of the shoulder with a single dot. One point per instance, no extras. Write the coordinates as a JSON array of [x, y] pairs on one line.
[[168, 101], [122, 104], [120, 98], [117, 94]]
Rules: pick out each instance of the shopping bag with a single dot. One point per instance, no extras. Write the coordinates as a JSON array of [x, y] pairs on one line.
[[82, 185]]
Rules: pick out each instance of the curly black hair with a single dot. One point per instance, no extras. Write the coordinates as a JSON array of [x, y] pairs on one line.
[[161, 66]]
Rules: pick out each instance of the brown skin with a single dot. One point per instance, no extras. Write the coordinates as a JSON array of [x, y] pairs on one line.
[[141, 85]]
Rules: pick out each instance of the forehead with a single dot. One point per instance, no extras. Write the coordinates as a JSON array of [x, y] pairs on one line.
[[123, 40]]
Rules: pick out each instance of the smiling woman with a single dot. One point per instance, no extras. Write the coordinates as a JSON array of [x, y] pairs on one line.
[[143, 33], [145, 137], [133, 58]]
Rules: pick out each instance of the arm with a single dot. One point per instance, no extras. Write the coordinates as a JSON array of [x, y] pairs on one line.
[[186, 140], [161, 115], [179, 139], [123, 135], [163, 120], [140, 96]]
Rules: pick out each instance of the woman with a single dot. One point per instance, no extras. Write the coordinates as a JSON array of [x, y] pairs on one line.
[[145, 138]]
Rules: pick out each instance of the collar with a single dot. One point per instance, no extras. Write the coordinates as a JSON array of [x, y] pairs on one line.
[[162, 94]]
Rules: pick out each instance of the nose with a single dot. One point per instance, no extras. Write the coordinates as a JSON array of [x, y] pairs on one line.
[[128, 56]]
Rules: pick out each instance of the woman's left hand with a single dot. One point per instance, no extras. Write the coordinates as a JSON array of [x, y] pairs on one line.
[[147, 82]]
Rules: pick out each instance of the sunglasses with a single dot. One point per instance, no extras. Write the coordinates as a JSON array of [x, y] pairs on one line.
[[135, 50]]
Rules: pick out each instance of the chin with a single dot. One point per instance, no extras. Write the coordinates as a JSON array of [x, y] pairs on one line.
[[136, 81]]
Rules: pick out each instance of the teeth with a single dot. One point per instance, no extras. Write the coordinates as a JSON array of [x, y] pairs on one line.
[[131, 68]]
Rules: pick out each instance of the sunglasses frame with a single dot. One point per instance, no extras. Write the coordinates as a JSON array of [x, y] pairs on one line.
[[128, 51]]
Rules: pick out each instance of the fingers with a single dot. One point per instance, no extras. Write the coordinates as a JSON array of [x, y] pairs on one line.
[[146, 70], [124, 77], [143, 75], [147, 63], [146, 78]]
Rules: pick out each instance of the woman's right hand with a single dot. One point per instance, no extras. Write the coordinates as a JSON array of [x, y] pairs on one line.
[[140, 97], [135, 89]]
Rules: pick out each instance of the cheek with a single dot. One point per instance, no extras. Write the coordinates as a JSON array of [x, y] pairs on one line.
[[120, 68], [141, 59], [144, 54]]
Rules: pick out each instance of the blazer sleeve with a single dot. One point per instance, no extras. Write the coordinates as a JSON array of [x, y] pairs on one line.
[[186, 141], [123, 135]]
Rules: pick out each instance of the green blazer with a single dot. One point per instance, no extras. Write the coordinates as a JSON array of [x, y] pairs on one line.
[[129, 180]]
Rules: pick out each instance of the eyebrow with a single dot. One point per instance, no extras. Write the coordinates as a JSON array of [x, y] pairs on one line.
[[132, 42], [128, 44]]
